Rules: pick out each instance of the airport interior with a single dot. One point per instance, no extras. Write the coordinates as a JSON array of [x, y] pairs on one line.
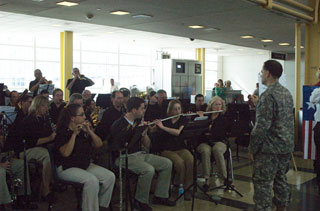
[[159, 105]]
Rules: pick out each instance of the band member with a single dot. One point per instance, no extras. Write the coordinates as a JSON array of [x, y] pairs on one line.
[[153, 110], [126, 96], [57, 105], [110, 115], [199, 104], [34, 85], [76, 98], [75, 140], [4, 92], [78, 83], [215, 142], [45, 93], [14, 96], [86, 94], [139, 161], [37, 132], [15, 169], [175, 148], [162, 102]]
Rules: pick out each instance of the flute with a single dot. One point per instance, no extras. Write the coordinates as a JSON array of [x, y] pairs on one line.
[[191, 114]]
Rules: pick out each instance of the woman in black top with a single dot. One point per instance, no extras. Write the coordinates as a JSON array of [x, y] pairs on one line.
[[174, 148], [75, 141], [36, 130], [215, 142], [153, 110]]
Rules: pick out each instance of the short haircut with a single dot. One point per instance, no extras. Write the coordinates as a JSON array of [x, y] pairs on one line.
[[125, 92], [151, 94], [113, 94], [56, 90], [134, 103], [213, 100], [75, 96], [14, 91], [197, 96], [274, 68], [160, 91], [25, 98], [44, 92]]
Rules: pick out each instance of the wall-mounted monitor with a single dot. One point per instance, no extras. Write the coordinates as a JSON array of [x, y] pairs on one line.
[[197, 68], [180, 67]]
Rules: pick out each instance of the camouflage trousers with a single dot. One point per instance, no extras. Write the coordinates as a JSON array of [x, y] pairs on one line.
[[269, 172]]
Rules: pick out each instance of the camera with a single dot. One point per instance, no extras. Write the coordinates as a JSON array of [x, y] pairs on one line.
[[89, 16], [191, 39]]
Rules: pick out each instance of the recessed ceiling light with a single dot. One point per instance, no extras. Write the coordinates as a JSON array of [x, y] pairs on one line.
[[98, 9], [37, 0], [56, 25], [300, 46], [266, 40], [247, 36], [284, 44], [67, 3], [119, 12], [196, 27], [261, 53], [142, 16]]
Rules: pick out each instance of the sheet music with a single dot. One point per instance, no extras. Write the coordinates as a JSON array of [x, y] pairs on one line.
[[49, 87]]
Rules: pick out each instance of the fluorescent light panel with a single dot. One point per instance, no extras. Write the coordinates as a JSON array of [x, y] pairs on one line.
[[119, 12], [266, 40], [196, 27], [247, 36], [67, 3], [284, 44]]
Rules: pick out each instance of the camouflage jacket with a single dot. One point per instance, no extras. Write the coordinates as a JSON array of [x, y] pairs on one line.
[[274, 129]]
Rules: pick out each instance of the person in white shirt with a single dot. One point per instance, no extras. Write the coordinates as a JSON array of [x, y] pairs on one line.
[[113, 86]]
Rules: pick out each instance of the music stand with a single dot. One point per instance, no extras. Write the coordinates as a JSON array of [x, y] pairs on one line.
[[48, 87], [190, 133], [8, 113]]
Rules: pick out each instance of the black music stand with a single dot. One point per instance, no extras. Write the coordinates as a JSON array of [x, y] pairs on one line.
[[190, 133]]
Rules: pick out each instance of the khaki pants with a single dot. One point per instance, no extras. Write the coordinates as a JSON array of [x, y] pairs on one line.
[[183, 165], [218, 151]]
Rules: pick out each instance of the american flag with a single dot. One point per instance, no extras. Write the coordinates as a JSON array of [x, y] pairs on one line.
[[308, 123]]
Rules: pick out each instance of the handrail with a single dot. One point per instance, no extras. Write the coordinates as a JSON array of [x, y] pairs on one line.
[[297, 5]]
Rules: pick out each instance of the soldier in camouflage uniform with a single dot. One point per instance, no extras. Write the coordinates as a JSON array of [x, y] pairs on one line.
[[272, 141]]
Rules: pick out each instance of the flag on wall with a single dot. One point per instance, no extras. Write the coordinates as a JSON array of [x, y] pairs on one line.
[[309, 148]]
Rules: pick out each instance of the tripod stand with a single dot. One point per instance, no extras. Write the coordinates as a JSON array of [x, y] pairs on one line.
[[227, 183], [190, 132]]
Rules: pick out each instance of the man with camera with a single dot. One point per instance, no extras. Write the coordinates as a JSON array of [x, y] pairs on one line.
[[78, 83]]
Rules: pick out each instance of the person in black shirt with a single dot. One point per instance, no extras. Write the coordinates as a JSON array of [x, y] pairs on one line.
[[127, 129], [126, 96], [110, 115], [37, 132], [34, 85], [199, 104], [75, 141], [175, 148], [57, 105], [162, 102], [4, 92], [153, 110], [14, 96], [78, 83], [215, 143]]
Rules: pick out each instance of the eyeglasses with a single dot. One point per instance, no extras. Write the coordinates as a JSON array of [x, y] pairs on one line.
[[82, 114]]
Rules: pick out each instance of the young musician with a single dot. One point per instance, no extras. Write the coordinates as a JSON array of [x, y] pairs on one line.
[[78, 83], [57, 105], [126, 129], [37, 131], [75, 141], [215, 143], [175, 148], [34, 85]]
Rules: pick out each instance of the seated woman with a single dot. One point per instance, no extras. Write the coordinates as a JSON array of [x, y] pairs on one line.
[[175, 148], [75, 141], [215, 142], [37, 131]]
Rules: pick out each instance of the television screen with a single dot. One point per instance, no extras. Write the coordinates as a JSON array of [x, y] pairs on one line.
[[180, 67]]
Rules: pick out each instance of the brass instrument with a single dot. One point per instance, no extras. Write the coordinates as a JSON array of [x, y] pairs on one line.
[[95, 116]]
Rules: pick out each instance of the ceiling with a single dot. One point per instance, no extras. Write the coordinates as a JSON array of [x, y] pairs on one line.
[[233, 18]]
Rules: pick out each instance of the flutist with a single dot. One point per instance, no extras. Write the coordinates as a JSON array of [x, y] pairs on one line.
[[75, 141], [34, 85], [78, 83]]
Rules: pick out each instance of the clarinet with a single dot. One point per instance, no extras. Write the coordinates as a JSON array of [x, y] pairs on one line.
[[52, 125]]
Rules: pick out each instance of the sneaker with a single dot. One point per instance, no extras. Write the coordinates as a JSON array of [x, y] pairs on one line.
[[141, 206], [163, 201]]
